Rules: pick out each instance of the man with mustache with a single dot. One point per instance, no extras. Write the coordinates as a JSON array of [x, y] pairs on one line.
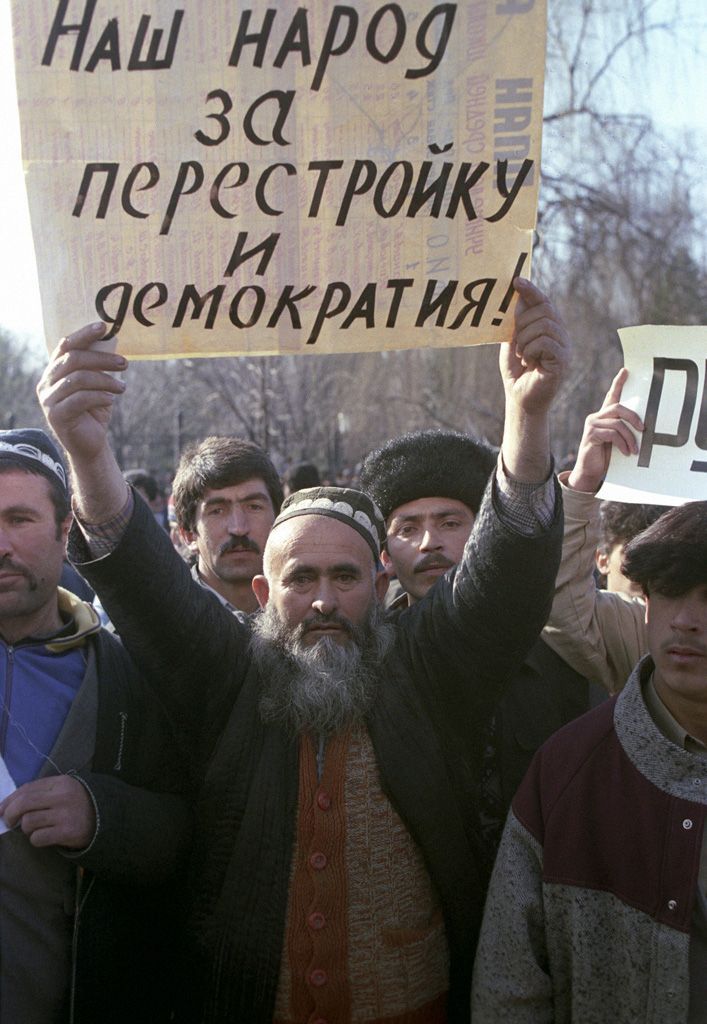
[[429, 485], [335, 873], [82, 867], [597, 910], [226, 495]]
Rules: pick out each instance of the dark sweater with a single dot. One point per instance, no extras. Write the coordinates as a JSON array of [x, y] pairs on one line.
[[124, 928]]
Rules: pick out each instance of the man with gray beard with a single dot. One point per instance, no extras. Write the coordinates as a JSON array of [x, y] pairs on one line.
[[334, 872], [324, 687]]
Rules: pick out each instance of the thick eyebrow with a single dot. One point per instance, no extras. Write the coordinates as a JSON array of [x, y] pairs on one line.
[[349, 567], [13, 510], [418, 517], [313, 570], [220, 500], [256, 496], [298, 570]]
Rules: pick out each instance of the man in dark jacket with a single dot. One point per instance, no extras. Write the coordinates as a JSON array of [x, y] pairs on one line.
[[89, 849], [429, 485], [335, 874]]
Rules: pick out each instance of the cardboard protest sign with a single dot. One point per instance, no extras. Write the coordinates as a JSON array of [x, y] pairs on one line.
[[214, 178], [667, 387]]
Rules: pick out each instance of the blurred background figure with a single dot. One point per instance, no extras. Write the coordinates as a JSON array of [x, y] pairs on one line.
[[304, 474], [151, 492], [619, 523]]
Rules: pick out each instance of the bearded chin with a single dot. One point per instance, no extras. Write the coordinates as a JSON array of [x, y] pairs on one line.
[[322, 687]]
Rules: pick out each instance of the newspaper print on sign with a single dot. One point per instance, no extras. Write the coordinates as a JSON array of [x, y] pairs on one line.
[[218, 178]]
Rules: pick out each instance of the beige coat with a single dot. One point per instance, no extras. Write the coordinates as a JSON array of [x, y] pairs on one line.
[[601, 635]]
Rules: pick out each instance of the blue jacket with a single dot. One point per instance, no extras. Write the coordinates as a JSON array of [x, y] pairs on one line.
[[124, 927]]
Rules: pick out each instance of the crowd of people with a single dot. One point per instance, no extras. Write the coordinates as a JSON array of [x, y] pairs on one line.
[[379, 755]]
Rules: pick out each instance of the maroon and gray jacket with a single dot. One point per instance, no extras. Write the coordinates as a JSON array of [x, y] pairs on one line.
[[594, 914]]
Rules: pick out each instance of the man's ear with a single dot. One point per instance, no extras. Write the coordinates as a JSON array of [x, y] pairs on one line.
[[387, 563], [601, 559], [261, 589], [64, 530], [189, 539], [381, 585]]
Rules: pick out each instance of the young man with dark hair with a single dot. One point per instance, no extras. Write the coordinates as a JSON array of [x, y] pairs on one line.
[[226, 495], [670, 557], [84, 927], [619, 523], [597, 910]]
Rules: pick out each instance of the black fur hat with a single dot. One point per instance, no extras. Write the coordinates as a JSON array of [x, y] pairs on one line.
[[428, 464]]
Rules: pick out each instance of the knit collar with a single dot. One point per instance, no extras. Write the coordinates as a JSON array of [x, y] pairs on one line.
[[671, 768], [668, 725]]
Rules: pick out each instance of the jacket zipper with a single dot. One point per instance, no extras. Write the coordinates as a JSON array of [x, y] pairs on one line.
[[118, 766], [7, 699], [79, 903]]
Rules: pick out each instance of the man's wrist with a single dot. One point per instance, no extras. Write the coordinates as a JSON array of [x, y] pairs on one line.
[[529, 506], [102, 538], [526, 446], [99, 489], [578, 481], [76, 852]]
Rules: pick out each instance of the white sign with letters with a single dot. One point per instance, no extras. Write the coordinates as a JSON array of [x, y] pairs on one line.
[[667, 387]]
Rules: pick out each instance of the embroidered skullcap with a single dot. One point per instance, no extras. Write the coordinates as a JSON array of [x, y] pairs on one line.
[[428, 464], [34, 449], [343, 503]]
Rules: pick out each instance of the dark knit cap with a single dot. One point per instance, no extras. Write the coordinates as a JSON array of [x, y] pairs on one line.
[[34, 450], [343, 503], [428, 464]]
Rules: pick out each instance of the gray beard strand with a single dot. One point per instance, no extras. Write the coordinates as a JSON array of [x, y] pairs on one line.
[[320, 688]]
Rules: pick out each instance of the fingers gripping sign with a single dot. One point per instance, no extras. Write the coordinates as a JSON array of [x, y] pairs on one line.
[[56, 811], [76, 390], [532, 366], [534, 363], [612, 425]]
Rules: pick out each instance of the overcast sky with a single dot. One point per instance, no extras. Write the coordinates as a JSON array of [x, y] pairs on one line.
[[670, 86]]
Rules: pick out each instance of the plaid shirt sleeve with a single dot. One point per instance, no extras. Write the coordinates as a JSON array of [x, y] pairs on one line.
[[103, 537], [528, 508]]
